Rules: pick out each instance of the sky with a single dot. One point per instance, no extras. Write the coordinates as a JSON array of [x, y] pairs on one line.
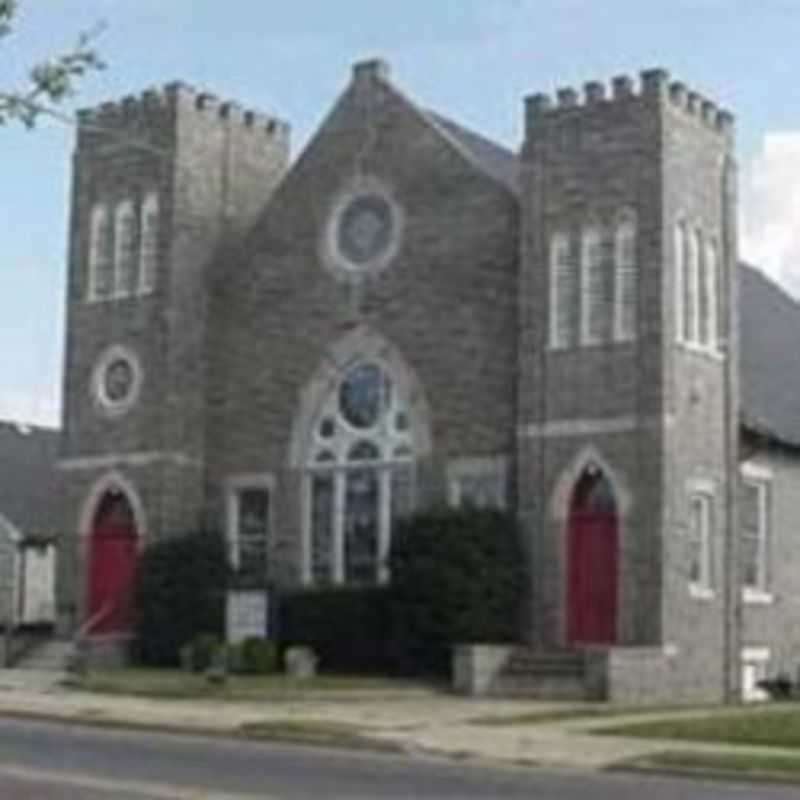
[[474, 60]]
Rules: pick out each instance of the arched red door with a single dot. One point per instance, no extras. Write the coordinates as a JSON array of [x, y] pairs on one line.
[[593, 556], [112, 566]]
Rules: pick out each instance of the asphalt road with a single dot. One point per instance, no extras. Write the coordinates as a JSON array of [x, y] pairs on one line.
[[40, 761]]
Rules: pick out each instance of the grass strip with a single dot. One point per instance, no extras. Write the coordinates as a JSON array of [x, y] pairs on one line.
[[757, 728], [735, 765], [316, 732]]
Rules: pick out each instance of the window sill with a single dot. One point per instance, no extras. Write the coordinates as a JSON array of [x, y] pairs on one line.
[[711, 353], [698, 592], [757, 597]]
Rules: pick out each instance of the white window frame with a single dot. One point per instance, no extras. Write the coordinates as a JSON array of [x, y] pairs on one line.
[[761, 479], [593, 305], [561, 264], [99, 252], [679, 243], [625, 272], [234, 486], [124, 214], [712, 292], [148, 243], [494, 468], [703, 491]]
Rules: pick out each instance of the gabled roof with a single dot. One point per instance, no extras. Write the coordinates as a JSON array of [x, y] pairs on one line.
[[29, 484], [495, 160], [770, 358]]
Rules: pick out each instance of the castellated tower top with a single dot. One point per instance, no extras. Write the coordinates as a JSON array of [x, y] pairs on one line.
[[653, 87], [159, 105]]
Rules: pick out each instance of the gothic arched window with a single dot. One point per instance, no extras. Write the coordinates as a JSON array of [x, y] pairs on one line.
[[625, 279], [360, 475], [563, 293], [594, 301], [148, 245], [101, 275], [124, 249]]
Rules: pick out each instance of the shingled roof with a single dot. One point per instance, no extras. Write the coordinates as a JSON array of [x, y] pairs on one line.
[[28, 479], [770, 358], [495, 160]]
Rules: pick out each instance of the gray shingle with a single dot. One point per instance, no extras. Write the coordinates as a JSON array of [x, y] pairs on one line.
[[28, 479], [770, 358]]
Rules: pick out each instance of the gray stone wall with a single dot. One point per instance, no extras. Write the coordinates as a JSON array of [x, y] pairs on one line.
[[773, 621], [585, 162], [214, 167], [445, 305]]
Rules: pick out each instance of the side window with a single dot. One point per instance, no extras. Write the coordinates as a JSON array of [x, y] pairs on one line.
[[124, 249], [754, 531], [478, 482], [249, 537], [101, 275], [563, 298], [148, 244], [626, 289], [700, 548], [594, 299]]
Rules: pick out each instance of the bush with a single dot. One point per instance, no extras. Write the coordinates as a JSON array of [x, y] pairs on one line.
[[180, 593], [254, 656], [348, 628], [199, 654], [457, 576]]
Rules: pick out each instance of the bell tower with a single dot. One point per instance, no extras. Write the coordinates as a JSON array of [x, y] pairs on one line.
[[628, 376], [164, 185]]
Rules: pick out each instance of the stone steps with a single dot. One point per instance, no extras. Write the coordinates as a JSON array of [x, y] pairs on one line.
[[556, 675], [51, 655]]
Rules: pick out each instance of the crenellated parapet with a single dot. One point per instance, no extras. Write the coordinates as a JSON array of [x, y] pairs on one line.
[[158, 104], [652, 86]]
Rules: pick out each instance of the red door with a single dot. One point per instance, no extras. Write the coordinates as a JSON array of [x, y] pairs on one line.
[[593, 551], [112, 567]]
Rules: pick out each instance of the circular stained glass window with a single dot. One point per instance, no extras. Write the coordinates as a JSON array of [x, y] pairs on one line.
[[361, 396], [365, 229], [118, 380]]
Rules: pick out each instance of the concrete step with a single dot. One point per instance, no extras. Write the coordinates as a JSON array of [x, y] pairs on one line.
[[544, 675], [50, 655]]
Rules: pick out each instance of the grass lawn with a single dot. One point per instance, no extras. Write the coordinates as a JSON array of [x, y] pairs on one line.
[[763, 727], [767, 766], [178, 685], [540, 717]]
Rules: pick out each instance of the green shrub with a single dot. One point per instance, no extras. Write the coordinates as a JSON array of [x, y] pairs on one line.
[[457, 576], [348, 628], [203, 651], [180, 593], [255, 656]]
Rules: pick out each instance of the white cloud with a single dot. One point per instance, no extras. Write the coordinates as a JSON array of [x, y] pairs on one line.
[[36, 408], [770, 203]]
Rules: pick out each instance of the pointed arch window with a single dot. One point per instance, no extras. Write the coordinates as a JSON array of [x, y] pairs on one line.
[[148, 246], [594, 302], [124, 249], [101, 276], [563, 293], [625, 279], [711, 283], [360, 476]]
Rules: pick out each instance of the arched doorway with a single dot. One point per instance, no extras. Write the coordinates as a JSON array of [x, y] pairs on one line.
[[593, 560], [112, 565]]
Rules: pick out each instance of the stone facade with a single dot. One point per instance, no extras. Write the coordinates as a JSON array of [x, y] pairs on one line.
[[259, 309]]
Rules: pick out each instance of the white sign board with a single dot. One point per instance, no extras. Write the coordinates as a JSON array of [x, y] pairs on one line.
[[246, 615]]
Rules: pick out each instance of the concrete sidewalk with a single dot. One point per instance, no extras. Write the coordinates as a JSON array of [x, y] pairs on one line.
[[417, 722]]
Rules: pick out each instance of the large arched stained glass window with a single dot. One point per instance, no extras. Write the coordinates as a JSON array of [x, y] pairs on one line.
[[360, 476]]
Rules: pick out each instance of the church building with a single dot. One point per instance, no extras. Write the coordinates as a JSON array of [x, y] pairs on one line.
[[299, 351]]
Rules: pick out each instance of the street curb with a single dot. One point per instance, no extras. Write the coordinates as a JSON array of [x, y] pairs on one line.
[[353, 744]]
